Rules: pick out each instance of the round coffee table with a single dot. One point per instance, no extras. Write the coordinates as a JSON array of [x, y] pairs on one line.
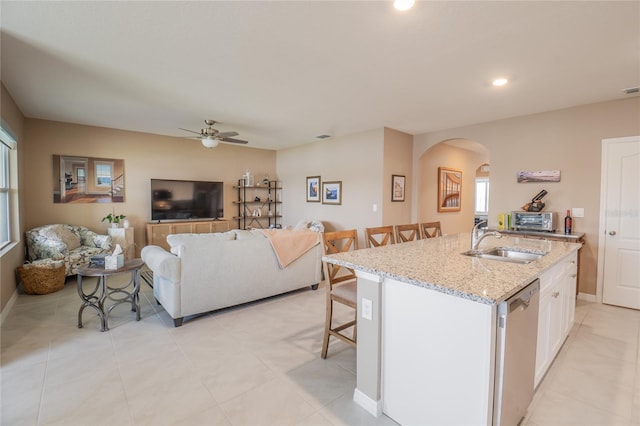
[[97, 298]]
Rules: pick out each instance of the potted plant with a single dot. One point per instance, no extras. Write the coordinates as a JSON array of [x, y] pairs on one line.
[[113, 219]]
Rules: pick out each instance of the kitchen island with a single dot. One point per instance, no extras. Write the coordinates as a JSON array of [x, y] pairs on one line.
[[427, 343]]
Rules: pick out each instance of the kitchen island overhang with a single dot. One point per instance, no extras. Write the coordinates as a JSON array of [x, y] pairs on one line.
[[426, 295]]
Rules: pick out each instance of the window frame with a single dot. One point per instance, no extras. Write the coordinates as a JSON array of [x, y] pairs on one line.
[[98, 176], [486, 183], [7, 144]]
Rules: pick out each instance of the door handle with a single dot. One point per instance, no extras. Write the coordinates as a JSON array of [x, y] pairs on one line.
[[612, 233]]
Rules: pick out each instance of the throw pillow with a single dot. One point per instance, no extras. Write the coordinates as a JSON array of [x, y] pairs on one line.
[[62, 233], [303, 224]]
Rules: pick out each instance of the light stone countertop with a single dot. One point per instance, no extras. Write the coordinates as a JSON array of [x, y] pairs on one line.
[[436, 264]]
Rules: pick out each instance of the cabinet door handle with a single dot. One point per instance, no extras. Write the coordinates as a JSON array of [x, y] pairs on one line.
[[574, 275], [612, 233]]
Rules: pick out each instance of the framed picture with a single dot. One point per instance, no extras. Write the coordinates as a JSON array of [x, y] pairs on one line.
[[83, 179], [332, 192], [449, 189], [397, 187], [313, 189], [539, 176]]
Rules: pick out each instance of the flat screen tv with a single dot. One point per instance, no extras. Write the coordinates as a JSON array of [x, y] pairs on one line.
[[186, 200]]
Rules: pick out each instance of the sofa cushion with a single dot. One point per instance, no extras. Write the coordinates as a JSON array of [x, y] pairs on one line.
[[176, 240], [242, 234], [63, 234]]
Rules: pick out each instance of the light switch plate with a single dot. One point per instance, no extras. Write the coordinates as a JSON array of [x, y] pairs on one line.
[[367, 309], [577, 212]]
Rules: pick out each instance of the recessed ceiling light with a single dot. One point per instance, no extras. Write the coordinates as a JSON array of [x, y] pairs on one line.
[[500, 81], [403, 4]]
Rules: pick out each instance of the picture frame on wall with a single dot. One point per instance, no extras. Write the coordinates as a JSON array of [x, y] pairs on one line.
[[449, 190], [84, 179], [397, 187], [313, 189], [332, 192]]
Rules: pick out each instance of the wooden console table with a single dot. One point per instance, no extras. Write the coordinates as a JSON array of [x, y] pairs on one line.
[[157, 232]]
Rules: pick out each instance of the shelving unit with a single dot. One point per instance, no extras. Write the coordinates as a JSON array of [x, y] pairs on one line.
[[258, 214]]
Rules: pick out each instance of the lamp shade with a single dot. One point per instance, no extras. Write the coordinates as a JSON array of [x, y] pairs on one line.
[[209, 142]]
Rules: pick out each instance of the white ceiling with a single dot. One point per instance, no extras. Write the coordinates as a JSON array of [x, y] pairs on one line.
[[281, 73]]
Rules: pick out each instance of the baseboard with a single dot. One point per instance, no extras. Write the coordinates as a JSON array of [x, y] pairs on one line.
[[7, 308], [587, 297], [372, 407]]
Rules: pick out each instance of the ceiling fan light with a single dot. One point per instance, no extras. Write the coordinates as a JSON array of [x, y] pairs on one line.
[[209, 142]]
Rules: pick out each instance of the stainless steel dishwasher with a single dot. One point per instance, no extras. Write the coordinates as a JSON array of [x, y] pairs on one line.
[[517, 335]]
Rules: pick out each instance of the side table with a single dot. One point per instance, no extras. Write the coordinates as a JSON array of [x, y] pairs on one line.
[[96, 299]]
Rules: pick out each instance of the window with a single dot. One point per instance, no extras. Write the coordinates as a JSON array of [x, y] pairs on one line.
[[104, 173], [6, 144], [482, 196]]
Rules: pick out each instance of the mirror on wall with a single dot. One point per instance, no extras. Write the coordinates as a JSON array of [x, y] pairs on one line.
[[87, 180]]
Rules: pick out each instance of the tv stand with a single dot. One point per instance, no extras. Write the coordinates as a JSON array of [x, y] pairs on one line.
[[157, 231]]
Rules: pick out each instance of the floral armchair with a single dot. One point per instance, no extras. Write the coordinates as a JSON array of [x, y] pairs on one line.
[[73, 244]]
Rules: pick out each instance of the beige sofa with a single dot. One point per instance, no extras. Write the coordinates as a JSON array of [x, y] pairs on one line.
[[205, 272]]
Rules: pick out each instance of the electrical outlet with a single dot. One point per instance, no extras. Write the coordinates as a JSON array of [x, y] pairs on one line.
[[577, 212], [367, 309]]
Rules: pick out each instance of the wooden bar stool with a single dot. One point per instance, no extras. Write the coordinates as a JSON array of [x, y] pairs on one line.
[[406, 233], [379, 236], [341, 286], [431, 229]]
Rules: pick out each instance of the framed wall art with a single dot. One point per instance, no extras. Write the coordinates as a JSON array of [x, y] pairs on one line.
[[449, 190], [332, 192], [88, 180], [313, 189], [539, 176], [397, 187]]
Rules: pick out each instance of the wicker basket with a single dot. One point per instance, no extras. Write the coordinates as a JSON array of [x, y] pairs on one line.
[[41, 279]]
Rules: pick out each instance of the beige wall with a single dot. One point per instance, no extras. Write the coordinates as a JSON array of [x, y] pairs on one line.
[[145, 156], [568, 140], [12, 256], [397, 160], [443, 155], [355, 160]]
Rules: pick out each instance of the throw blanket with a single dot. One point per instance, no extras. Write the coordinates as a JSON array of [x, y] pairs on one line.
[[291, 244]]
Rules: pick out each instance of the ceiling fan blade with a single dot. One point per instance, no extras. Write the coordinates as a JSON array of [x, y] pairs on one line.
[[233, 140], [227, 134], [187, 130]]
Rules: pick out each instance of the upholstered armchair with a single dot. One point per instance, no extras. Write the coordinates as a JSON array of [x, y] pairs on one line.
[[70, 243]]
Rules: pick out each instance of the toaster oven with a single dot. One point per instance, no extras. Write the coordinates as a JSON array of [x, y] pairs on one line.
[[534, 221]]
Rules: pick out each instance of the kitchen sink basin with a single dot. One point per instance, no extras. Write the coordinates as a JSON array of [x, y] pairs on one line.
[[505, 254]]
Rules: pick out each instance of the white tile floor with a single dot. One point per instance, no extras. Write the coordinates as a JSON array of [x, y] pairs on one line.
[[259, 365]]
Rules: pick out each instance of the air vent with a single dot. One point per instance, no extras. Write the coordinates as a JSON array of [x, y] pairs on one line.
[[631, 90], [323, 136]]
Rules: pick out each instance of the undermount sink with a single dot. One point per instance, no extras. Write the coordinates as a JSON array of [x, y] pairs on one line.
[[506, 254]]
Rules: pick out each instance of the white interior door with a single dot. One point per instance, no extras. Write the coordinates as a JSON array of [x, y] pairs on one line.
[[620, 222]]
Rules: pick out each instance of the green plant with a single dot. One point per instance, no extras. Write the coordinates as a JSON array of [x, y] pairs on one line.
[[113, 218]]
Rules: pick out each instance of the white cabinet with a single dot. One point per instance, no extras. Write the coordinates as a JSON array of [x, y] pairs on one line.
[[557, 311], [124, 237]]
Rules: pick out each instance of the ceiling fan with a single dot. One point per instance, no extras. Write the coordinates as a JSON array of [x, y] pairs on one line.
[[210, 137]]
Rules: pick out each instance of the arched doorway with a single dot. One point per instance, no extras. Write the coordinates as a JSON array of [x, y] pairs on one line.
[[464, 155]]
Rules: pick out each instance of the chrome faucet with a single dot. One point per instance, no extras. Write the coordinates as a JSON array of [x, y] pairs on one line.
[[475, 238]]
